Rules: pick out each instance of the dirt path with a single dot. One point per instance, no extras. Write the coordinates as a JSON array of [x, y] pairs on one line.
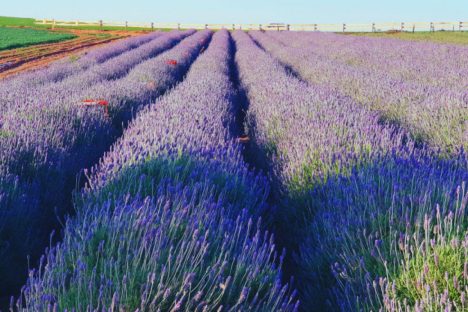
[[23, 59]]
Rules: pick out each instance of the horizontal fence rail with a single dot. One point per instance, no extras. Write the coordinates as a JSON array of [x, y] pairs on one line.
[[368, 27]]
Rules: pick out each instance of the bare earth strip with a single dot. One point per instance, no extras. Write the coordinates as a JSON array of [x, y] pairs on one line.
[[32, 57]]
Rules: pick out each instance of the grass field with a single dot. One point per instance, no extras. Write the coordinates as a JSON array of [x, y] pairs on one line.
[[16, 21], [11, 38], [30, 22], [456, 37]]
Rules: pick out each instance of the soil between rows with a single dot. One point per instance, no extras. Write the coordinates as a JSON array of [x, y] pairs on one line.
[[19, 60]]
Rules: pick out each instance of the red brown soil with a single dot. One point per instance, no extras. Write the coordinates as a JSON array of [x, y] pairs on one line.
[[23, 59]]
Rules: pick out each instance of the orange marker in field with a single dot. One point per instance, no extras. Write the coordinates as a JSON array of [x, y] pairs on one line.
[[243, 139], [100, 102]]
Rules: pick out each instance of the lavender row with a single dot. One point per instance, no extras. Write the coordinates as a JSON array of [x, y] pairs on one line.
[[360, 188], [59, 140], [425, 63], [57, 123], [114, 68], [164, 223], [309, 132], [390, 236], [102, 54], [67, 67], [433, 115]]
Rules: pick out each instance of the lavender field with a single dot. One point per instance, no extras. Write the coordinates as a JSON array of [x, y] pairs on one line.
[[237, 171]]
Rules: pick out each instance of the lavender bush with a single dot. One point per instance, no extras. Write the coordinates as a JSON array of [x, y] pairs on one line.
[[357, 185], [64, 68], [361, 140], [372, 227], [51, 144], [24, 98], [168, 219], [434, 269], [433, 115], [309, 132], [427, 63]]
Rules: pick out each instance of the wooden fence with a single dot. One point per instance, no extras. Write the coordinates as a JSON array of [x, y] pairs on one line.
[[369, 27]]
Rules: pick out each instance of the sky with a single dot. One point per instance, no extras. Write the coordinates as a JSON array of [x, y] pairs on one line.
[[240, 11]]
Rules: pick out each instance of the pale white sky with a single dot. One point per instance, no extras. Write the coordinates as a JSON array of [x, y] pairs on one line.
[[241, 11]]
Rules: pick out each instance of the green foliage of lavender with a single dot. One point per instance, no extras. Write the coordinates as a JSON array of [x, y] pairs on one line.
[[418, 86], [370, 228], [352, 185], [170, 218], [362, 142], [51, 137]]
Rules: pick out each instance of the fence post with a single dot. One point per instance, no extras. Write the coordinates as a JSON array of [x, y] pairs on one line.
[[402, 26], [414, 26], [373, 27], [460, 26], [432, 27], [259, 26], [53, 23], [101, 24], [233, 27], [152, 26], [126, 25], [287, 27], [206, 26], [315, 27], [344, 27], [178, 26]]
